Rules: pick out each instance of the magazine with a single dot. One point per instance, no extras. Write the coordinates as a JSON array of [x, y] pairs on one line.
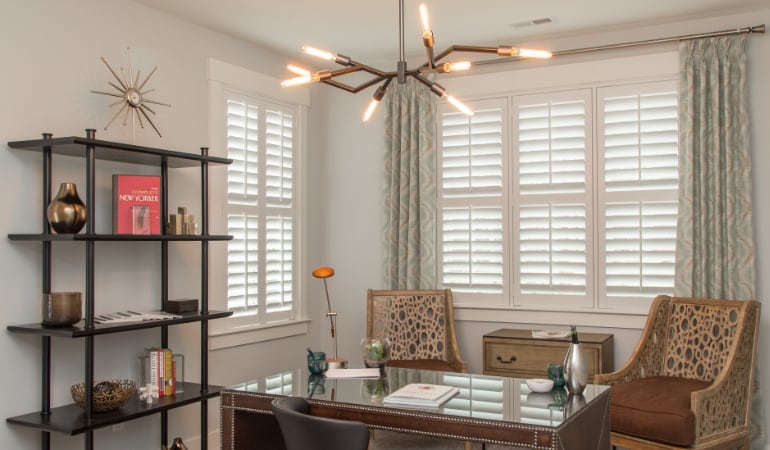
[[421, 395]]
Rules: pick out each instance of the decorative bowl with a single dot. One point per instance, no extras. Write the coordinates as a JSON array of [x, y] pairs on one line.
[[107, 395], [539, 384], [375, 351]]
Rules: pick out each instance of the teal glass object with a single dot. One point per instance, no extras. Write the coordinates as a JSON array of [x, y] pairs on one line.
[[316, 363], [556, 373]]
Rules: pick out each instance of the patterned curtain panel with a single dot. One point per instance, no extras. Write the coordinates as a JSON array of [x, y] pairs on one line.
[[715, 243], [409, 190]]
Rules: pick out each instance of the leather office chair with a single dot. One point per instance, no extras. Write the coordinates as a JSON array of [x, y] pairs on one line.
[[420, 325], [302, 431], [689, 382]]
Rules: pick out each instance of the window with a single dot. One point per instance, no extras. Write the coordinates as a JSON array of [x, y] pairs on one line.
[[563, 199], [258, 200], [260, 208]]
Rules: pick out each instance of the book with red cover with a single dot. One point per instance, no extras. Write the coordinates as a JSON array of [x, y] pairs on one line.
[[136, 204]]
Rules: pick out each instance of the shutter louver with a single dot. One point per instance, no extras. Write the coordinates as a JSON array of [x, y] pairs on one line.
[[472, 153], [260, 139], [472, 249], [641, 182]]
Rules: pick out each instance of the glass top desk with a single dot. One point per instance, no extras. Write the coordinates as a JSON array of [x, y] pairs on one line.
[[488, 409]]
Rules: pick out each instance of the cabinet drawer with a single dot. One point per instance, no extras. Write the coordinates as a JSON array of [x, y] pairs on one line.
[[521, 358]]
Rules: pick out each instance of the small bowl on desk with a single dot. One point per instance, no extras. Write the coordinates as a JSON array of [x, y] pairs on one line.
[[539, 384]]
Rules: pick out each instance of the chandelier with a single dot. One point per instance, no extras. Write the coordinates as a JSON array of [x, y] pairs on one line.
[[384, 78]]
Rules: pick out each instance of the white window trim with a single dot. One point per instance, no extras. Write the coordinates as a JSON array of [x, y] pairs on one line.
[[547, 78], [235, 331]]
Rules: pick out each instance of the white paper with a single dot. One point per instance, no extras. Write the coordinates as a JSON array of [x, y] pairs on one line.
[[353, 373], [549, 334]]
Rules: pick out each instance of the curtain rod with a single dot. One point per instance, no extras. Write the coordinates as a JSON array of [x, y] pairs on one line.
[[760, 29]]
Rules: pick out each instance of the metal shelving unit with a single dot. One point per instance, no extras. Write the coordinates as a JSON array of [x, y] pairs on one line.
[[71, 419]]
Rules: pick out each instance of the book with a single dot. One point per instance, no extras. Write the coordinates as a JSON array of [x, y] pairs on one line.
[[136, 204], [421, 395], [168, 372]]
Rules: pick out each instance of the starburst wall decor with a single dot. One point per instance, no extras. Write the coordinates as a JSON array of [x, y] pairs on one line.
[[132, 97]]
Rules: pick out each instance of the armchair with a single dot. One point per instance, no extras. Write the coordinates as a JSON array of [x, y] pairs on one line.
[[420, 325], [688, 383]]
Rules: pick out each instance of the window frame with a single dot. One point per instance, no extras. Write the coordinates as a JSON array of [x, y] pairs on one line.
[[637, 68], [243, 329]]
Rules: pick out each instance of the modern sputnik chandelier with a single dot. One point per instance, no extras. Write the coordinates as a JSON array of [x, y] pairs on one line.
[[384, 78]]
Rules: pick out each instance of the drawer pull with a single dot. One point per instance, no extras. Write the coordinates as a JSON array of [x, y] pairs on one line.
[[510, 361]]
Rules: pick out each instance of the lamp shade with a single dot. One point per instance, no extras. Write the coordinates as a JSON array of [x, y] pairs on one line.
[[323, 272]]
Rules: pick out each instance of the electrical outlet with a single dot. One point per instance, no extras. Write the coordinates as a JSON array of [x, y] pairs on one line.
[[117, 427]]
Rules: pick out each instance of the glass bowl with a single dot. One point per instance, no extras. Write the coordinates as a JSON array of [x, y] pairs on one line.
[[375, 351]]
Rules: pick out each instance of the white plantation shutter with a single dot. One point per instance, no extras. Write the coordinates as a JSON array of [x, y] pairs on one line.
[[260, 208], [472, 172], [638, 202], [551, 201]]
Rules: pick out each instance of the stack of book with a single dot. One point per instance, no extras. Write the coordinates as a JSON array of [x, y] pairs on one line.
[[420, 395], [160, 370]]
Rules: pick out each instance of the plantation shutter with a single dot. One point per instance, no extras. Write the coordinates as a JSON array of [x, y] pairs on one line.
[[551, 204], [640, 166], [260, 207], [473, 199]]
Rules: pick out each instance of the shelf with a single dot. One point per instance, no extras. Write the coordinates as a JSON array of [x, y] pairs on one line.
[[41, 237], [116, 151], [80, 331], [70, 419]]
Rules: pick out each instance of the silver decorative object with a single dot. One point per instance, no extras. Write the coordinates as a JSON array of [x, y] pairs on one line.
[[575, 366], [133, 97], [67, 213]]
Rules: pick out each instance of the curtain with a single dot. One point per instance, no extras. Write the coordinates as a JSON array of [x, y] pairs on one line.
[[715, 256], [409, 188]]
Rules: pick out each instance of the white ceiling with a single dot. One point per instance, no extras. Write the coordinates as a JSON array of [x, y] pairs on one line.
[[367, 30]]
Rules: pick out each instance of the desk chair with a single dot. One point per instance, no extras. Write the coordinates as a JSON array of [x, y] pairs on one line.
[[689, 382], [420, 325], [302, 431]]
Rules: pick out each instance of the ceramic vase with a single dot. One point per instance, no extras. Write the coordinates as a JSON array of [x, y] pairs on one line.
[[177, 445], [67, 213], [575, 367]]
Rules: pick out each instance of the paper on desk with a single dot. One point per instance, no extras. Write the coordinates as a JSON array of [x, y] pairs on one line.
[[549, 334], [353, 373]]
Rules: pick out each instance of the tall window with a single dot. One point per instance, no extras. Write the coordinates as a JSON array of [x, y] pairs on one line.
[[260, 207], [565, 199]]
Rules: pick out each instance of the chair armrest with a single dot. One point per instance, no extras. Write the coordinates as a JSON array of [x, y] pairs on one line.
[[647, 358], [725, 406]]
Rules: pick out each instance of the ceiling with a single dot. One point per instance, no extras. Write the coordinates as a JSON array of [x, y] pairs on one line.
[[367, 30]]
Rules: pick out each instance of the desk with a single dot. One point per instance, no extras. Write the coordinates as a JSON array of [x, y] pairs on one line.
[[489, 409]]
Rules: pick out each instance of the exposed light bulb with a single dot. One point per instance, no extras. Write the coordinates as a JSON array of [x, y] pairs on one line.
[[534, 53], [424, 18], [370, 109], [298, 70], [318, 53], [459, 105], [296, 81], [455, 66]]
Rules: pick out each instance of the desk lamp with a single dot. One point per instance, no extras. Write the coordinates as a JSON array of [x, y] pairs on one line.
[[323, 273]]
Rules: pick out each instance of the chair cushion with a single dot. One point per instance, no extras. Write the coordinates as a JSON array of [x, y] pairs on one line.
[[422, 364], [656, 409]]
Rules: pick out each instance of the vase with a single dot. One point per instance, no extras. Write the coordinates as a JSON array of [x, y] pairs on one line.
[[375, 351], [177, 445], [67, 213], [575, 366]]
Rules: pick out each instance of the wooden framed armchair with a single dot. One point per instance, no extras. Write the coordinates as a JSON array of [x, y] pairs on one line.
[[689, 382], [420, 325]]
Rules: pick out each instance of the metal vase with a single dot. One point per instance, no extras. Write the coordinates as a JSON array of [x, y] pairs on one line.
[[575, 369], [67, 213]]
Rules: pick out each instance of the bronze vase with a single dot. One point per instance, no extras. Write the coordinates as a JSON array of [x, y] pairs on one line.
[[178, 445], [67, 212]]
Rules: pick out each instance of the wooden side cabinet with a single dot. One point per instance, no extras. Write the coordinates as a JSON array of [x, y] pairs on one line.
[[515, 353]]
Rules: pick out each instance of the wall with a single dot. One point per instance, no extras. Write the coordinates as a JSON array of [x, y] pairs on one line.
[[51, 60], [351, 181]]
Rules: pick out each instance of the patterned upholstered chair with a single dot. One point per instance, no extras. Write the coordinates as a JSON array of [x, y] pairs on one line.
[[420, 325], [689, 382]]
